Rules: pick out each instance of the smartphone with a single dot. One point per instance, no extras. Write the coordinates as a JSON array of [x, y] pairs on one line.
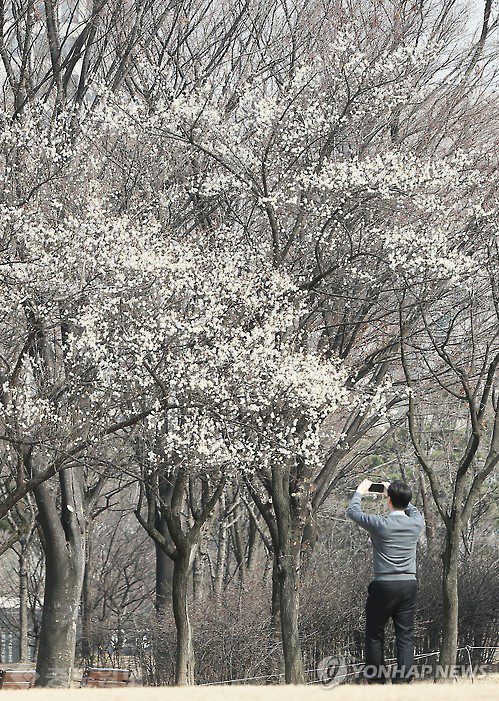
[[377, 487]]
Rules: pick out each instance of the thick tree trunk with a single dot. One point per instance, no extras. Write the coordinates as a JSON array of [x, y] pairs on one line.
[[63, 528], [63, 585], [448, 650], [184, 667], [275, 617], [164, 585]]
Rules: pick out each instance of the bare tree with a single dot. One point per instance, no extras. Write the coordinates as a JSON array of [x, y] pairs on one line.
[[455, 358]]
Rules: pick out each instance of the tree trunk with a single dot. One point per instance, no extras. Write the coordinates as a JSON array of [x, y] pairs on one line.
[[164, 585], [222, 549], [257, 557], [63, 528], [23, 602], [289, 577], [184, 667], [309, 541], [239, 546], [164, 578], [448, 650], [199, 575], [87, 651], [164, 564], [63, 584], [288, 574], [429, 516], [276, 596]]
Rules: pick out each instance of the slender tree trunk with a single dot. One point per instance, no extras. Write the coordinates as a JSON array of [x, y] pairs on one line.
[[448, 650], [184, 667], [87, 652], [256, 549], [309, 540], [276, 596], [222, 549], [289, 578], [23, 602], [239, 546], [429, 516], [288, 573], [199, 575]]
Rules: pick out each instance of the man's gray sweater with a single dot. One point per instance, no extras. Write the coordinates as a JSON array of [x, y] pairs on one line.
[[394, 538]]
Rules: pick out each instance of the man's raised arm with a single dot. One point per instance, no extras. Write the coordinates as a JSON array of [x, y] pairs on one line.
[[370, 522], [413, 513]]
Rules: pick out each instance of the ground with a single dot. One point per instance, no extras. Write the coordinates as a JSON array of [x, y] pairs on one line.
[[485, 689]]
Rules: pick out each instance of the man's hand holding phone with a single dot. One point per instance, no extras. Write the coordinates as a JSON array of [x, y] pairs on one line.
[[367, 486], [363, 487]]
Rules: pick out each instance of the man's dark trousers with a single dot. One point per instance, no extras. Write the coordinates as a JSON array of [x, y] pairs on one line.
[[397, 600]]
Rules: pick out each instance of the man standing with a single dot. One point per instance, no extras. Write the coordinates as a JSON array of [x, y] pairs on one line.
[[392, 592]]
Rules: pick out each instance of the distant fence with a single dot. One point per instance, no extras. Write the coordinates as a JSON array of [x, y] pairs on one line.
[[353, 669]]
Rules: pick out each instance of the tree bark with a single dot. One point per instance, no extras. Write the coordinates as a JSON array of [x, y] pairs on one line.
[[63, 528], [450, 599], [164, 571], [164, 563], [239, 546], [199, 576], [276, 596], [63, 582], [429, 517], [87, 651], [23, 602], [288, 574], [184, 665]]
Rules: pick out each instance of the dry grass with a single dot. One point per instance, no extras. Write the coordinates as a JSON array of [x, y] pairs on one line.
[[484, 689]]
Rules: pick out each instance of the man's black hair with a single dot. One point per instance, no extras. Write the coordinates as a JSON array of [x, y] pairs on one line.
[[400, 493]]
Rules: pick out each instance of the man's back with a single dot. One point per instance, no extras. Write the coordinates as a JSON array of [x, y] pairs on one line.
[[394, 538]]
